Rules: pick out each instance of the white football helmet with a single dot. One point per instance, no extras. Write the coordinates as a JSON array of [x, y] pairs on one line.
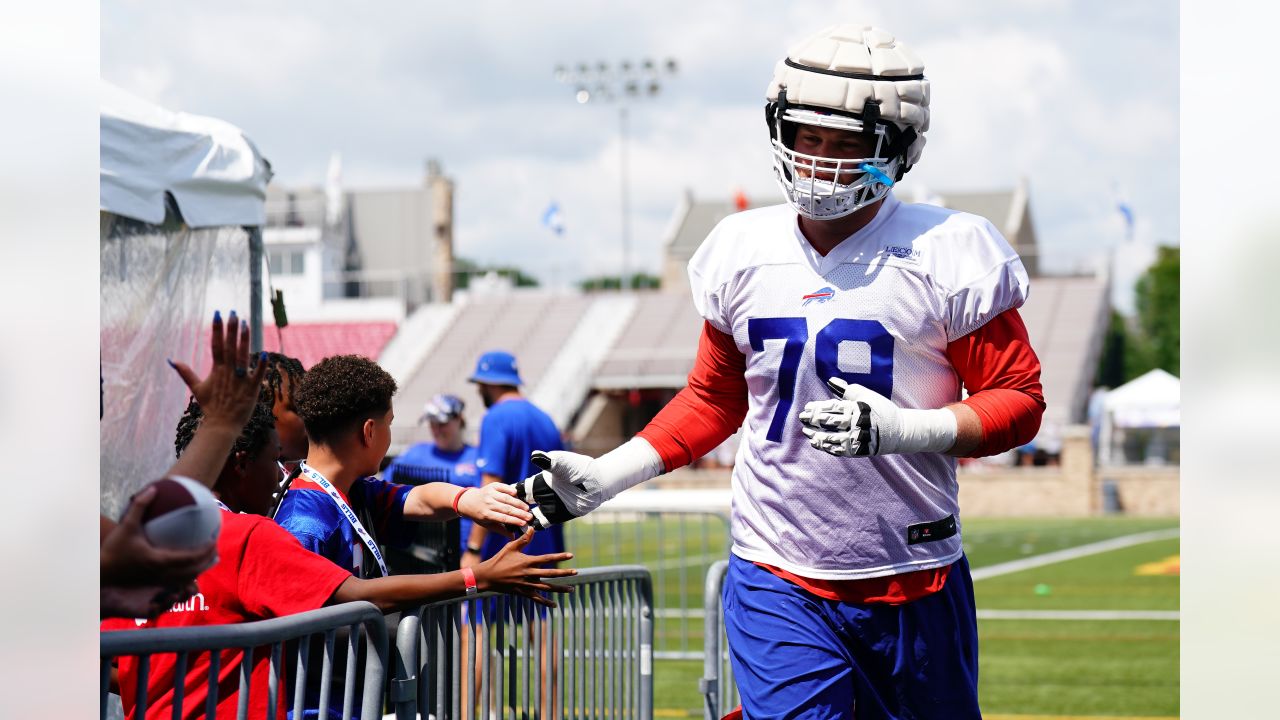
[[849, 77]]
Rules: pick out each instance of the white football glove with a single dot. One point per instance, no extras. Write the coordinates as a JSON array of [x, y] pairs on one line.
[[572, 485], [862, 422]]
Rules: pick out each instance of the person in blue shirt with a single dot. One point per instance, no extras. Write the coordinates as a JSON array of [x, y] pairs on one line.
[[335, 507], [449, 459], [511, 430]]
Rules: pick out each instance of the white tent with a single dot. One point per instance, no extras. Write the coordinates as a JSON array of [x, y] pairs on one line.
[[182, 201], [214, 173], [1149, 402]]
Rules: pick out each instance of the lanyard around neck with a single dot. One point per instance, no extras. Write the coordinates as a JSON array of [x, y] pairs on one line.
[[346, 510]]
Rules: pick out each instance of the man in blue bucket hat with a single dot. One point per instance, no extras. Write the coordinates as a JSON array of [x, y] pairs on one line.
[[511, 430]]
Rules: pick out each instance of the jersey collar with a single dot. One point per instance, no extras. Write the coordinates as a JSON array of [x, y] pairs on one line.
[[852, 248]]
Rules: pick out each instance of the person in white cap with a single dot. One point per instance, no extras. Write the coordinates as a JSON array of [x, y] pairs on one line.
[[449, 458], [840, 330]]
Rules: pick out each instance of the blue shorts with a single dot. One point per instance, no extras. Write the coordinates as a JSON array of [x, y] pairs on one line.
[[796, 655]]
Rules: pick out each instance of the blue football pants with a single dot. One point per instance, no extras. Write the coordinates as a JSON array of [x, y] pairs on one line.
[[796, 655]]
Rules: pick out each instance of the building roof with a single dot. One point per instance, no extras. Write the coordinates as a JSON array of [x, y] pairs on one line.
[[692, 222], [313, 342], [993, 206]]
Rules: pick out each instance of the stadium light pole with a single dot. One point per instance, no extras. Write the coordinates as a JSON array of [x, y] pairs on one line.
[[624, 83]]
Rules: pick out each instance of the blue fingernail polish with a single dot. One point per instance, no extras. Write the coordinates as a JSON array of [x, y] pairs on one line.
[[262, 356], [217, 316], [175, 367]]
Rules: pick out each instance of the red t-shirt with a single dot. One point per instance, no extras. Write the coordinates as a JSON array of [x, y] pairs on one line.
[[262, 572]]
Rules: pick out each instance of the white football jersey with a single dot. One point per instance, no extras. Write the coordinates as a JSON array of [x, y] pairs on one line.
[[878, 310]]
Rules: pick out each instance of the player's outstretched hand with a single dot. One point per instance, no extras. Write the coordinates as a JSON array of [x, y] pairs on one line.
[[861, 422], [496, 508], [511, 571], [567, 487], [572, 485]]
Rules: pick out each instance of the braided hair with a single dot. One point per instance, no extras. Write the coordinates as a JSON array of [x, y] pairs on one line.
[[250, 441], [280, 365]]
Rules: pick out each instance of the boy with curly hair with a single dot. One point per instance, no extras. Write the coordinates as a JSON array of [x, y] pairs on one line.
[[334, 506]]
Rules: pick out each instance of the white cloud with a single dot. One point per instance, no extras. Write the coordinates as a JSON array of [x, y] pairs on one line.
[[1016, 92]]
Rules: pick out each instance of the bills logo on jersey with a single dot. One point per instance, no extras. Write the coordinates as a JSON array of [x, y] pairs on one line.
[[818, 296]]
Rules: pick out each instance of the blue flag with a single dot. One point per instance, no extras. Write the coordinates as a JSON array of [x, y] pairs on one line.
[[552, 219], [1127, 212]]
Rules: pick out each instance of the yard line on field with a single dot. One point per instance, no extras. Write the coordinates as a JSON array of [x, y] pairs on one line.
[[692, 613], [1079, 615], [1058, 556]]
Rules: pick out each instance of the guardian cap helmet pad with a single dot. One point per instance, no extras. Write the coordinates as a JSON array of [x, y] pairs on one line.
[[855, 78]]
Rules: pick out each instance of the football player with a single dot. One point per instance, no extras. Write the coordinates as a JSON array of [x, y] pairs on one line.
[[840, 329]]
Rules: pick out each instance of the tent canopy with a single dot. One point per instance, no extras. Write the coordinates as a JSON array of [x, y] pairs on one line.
[[1151, 400], [214, 173]]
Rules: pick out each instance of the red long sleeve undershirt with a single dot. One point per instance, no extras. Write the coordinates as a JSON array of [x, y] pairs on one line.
[[1001, 373], [999, 370]]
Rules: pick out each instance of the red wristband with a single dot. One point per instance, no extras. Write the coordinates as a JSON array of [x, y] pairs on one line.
[[458, 497], [469, 580]]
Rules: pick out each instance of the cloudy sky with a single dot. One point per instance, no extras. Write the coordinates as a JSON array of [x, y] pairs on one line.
[[1080, 97]]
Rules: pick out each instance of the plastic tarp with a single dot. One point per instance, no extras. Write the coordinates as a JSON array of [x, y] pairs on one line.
[[213, 172], [1149, 401], [160, 287]]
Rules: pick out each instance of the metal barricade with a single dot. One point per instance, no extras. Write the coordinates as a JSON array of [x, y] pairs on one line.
[[719, 692], [503, 657], [361, 618], [677, 544]]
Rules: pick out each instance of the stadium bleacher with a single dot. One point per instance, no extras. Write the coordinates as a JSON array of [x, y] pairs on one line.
[[657, 347], [533, 325], [1066, 320]]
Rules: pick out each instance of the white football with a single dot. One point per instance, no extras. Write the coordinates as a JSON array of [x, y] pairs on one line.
[[183, 515]]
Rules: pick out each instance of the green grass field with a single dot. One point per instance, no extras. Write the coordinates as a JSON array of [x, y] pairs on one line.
[[1030, 668]]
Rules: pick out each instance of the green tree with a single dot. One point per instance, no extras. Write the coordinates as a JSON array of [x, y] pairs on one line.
[[638, 281], [1111, 366], [464, 270], [1150, 339], [1157, 300]]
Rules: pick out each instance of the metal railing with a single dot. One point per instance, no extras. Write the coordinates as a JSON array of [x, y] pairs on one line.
[[499, 657], [677, 538], [719, 692], [249, 637]]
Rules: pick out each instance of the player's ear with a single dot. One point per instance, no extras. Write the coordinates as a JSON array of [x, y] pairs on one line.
[[366, 432], [240, 460]]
